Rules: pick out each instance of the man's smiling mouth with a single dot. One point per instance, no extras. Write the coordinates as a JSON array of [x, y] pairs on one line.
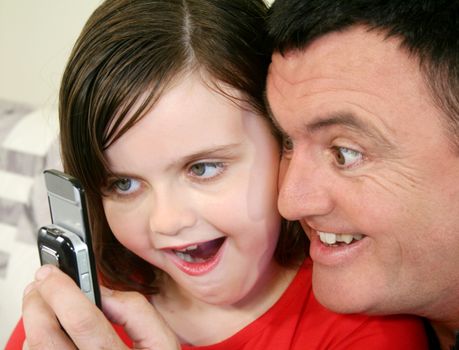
[[335, 240]]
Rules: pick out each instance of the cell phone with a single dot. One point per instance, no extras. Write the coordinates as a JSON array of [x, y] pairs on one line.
[[66, 243]]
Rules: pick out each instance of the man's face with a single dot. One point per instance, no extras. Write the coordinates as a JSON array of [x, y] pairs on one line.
[[368, 170]]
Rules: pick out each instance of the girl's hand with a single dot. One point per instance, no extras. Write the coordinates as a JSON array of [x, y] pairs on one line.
[[54, 294]]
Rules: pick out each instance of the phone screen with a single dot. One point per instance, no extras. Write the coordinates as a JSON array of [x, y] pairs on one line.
[[66, 203]]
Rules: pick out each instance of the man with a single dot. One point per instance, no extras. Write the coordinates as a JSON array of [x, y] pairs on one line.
[[366, 94]]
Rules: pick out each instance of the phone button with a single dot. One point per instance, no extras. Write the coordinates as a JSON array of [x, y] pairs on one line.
[[83, 265], [85, 282], [49, 256]]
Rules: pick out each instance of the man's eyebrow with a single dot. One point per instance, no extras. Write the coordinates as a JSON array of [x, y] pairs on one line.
[[351, 122], [347, 120]]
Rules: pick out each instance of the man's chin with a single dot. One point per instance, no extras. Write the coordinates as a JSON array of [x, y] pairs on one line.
[[344, 296]]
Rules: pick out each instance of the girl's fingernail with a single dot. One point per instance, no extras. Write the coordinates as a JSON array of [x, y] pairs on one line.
[[42, 272]]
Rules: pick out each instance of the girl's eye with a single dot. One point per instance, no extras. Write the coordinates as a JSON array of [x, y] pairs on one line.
[[346, 157], [206, 170], [125, 186]]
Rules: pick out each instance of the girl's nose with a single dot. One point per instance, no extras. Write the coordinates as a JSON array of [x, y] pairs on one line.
[[171, 213]]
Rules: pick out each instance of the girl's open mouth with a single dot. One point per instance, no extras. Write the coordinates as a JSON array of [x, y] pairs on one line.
[[199, 258]]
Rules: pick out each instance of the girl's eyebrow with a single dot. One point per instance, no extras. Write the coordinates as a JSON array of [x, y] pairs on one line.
[[222, 151]]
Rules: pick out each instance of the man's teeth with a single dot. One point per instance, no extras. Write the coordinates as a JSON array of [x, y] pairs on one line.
[[332, 238]]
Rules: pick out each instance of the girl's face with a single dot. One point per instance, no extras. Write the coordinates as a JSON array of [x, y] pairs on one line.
[[196, 191]]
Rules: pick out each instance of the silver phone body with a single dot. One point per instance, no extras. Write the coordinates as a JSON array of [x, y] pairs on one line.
[[66, 243]]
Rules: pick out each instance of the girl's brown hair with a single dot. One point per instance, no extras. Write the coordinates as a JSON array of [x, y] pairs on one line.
[[128, 53]]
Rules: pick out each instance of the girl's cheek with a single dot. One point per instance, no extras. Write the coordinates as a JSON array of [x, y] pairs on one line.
[[118, 221]]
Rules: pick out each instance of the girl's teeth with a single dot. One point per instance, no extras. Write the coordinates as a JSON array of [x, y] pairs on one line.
[[199, 253], [189, 248], [188, 258]]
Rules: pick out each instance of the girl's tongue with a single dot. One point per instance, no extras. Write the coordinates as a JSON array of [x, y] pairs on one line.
[[201, 252]]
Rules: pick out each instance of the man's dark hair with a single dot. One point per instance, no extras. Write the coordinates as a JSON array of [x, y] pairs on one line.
[[427, 29]]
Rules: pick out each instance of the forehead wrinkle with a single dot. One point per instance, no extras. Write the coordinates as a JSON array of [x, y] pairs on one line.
[[302, 87], [299, 87], [346, 119], [271, 116], [274, 81], [316, 86]]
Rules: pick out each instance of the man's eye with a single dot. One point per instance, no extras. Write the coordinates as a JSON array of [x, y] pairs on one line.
[[206, 170], [287, 144], [126, 186], [346, 157]]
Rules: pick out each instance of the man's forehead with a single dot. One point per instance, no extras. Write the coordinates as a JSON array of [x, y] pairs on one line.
[[288, 67], [286, 76], [343, 52]]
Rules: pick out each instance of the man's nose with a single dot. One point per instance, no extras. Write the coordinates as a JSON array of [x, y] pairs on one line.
[[171, 212], [304, 191]]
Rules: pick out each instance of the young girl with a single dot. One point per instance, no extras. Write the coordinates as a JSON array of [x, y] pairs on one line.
[[163, 121]]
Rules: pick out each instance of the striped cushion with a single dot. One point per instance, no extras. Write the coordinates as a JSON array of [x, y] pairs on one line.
[[28, 145]]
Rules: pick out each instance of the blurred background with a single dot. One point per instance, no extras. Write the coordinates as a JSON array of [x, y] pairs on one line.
[[35, 40]]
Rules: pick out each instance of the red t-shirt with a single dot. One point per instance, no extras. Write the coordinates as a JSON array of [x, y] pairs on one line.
[[18, 336], [298, 321]]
